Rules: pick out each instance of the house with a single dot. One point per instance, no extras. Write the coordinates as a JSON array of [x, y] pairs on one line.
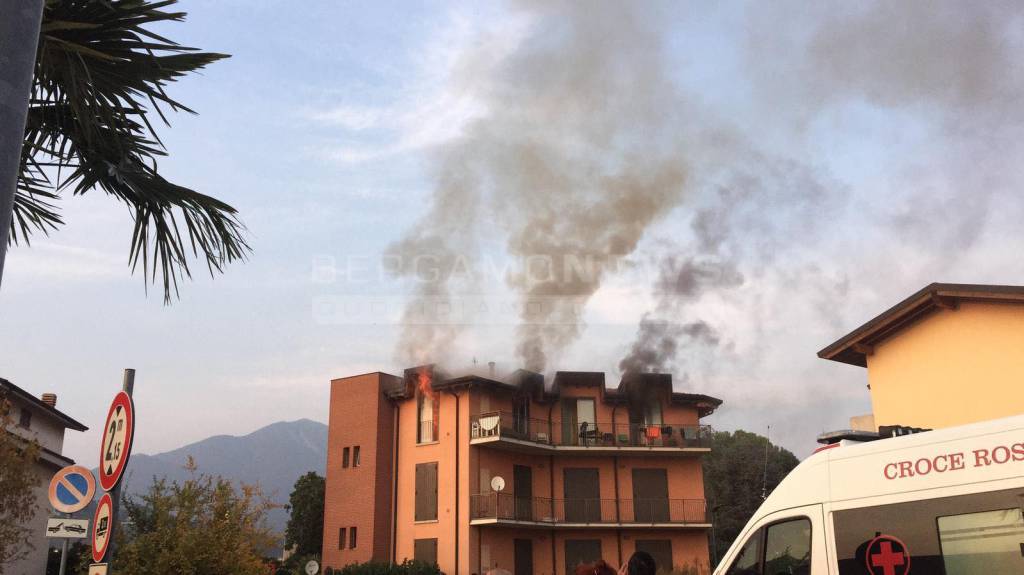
[[949, 354], [38, 419], [476, 473]]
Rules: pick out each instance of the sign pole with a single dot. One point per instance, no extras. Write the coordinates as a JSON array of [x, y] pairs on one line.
[[127, 386], [64, 551]]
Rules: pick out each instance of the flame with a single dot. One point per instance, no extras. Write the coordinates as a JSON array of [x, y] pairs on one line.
[[423, 382]]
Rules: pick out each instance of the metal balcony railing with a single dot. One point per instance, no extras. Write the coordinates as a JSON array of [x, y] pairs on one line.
[[498, 424], [509, 507]]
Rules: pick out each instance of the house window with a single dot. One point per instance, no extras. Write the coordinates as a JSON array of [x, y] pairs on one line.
[[341, 538], [25, 419], [352, 538], [344, 457], [578, 551], [355, 456], [425, 550], [426, 492], [660, 550], [427, 410]]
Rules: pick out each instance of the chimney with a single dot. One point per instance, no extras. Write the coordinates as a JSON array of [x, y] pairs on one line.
[[50, 399], [490, 369]]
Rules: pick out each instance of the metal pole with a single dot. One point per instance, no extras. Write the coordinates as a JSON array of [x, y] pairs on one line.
[[128, 386], [63, 556], [19, 40]]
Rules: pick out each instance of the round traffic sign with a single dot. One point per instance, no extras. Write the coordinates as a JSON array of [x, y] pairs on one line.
[[312, 567], [102, 527], [117, 440], [71, 489]]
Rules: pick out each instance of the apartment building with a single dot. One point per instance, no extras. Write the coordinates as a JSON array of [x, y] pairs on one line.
[[476, 473], [948, 354], [37, 419]]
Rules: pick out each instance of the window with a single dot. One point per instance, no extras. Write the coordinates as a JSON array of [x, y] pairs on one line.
[[582, 489], [984, 542], [355, 456], [341, 538], [660, 549], [787, 548], [579, 551], [352, 538], [650, 495], [425, 550], [25, 419], [344, 457], [427, 410], [748, 560], [951, 535], [426, 492], [782, 548]]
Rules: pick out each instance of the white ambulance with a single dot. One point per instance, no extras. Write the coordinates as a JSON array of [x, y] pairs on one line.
[[943, 502]]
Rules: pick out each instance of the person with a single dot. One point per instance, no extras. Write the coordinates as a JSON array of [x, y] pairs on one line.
[[640, 563]]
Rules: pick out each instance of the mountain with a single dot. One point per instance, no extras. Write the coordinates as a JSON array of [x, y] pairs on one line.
[[273, 456]]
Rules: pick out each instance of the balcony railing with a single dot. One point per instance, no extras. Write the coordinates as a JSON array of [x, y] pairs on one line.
[[503, 424], [543, 510]]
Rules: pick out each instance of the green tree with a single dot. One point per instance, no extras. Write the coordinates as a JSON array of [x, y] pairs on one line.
[[734, 476], [202, 526], [99, 74], [18, 482], [305, 528]]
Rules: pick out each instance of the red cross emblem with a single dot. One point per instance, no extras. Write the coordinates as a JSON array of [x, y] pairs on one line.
[[887, 555]]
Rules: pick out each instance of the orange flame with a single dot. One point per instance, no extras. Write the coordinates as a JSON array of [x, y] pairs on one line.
[[423, 382]]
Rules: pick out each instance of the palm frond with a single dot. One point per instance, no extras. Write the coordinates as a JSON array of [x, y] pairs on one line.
[[99, 73]]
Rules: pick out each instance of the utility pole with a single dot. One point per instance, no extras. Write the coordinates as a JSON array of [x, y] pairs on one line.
[[19, 40], [764, 482]]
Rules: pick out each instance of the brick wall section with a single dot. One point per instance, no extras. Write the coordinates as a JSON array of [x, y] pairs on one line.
[[359, 497]]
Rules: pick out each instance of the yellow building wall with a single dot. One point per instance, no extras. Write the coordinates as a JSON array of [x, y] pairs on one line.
[[951, 368]]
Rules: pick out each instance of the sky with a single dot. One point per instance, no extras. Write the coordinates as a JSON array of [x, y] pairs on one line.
[[754, 179]]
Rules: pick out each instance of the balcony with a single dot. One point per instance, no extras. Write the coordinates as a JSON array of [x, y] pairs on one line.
[[507, 509], [504, 430]]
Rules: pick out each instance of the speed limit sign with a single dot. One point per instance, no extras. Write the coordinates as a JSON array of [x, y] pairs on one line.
[[117, 440]]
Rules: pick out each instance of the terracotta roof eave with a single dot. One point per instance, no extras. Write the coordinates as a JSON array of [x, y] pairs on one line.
[[854, 347], [64, 418]]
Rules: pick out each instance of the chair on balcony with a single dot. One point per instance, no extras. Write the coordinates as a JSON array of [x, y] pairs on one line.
[[588, 436], [541, 437]]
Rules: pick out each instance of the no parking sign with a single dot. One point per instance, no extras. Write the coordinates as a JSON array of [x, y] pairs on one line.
[[71, 489]]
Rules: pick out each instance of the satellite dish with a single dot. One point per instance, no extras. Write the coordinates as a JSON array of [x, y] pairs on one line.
[[497, 483], [312, 567]]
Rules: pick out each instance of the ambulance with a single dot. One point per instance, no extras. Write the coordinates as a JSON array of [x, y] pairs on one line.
[[942, 502]]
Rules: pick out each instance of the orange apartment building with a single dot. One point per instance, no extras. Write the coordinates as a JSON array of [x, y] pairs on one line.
[[474, 473]]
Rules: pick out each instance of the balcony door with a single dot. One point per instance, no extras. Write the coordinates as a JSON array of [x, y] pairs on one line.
[[582, 488], [522, 485], [579, 420], [650, 496]]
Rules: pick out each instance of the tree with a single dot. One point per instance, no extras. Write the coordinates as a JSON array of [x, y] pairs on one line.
[[202, 526], [305, 528], [734, 476], [18, 482], [99, 73]]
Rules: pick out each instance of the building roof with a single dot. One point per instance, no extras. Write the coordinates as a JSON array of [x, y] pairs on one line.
[[63, 418], [854, 347], [524, 381]]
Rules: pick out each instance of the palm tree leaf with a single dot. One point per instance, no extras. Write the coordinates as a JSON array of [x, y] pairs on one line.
[[99, 72]]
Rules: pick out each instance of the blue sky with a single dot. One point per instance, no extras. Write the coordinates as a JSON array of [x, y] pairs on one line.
[[862, 161]]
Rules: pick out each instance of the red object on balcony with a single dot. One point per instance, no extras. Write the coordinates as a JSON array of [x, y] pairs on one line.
[[653, 432]]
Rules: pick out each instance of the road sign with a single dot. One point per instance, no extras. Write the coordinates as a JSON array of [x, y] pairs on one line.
[[102, 528], [71, 489], [312, 567], [117, 440], [70, 528], [98, 569]]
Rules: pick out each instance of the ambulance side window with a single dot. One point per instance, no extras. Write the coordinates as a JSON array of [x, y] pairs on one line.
[[748, 560], [788, 548]]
